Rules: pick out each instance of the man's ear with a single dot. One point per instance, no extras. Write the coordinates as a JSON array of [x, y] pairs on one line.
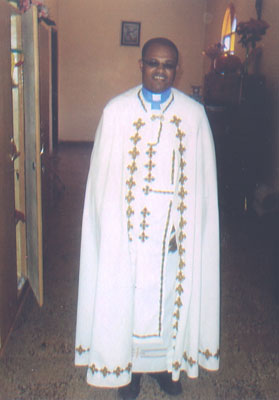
[[140, 64]]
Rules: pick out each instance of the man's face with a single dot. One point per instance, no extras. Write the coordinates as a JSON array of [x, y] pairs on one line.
[[158, 68]]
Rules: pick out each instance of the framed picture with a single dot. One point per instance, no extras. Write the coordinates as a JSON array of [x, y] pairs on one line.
[[130, 33]]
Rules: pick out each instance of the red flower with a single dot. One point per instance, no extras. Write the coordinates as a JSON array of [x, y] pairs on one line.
[[251, 31], [214, 50]]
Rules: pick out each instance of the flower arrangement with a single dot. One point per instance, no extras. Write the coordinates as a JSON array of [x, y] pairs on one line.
[[222, 62], [251, 32], [213, 51]]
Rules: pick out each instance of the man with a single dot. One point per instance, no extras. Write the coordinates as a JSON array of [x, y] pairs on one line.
[[149, 270]]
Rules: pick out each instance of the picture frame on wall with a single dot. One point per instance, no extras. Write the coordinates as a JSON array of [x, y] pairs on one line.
[[130, 33]]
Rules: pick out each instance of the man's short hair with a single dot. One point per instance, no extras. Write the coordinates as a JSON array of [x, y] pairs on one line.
[[161, 41]]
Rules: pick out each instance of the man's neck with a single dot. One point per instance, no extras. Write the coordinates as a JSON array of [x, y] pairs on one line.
[[156, 99]]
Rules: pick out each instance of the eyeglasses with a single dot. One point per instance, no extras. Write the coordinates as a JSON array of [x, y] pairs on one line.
[[156, 64]]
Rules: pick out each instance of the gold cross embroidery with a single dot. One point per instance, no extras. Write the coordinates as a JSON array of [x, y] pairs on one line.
[[150, 152], [149, 177], [134, 153], [130, 183], [181, 236], [145, 212], [175, 120], [180, 276], [179, 289], [182, 223], [136, 138], [182, 193], [180, 134], [132, 167], [181, 148], [183, 178], [139, 123], [143, 237], [130, 211], [150, 165], [146, 190], [130, 197], [144, 224], [182, 207]]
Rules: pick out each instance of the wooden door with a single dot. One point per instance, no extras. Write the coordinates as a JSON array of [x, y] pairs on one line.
[[30, 39], [19, 147], [8, 270], [44, 68]]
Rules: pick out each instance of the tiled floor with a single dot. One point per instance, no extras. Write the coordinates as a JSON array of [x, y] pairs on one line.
[[38, 362]]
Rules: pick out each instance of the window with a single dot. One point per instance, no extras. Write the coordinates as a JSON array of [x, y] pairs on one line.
[[228, 29]]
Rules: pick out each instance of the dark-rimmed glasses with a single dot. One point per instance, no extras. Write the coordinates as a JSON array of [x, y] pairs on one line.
[[157, 64]]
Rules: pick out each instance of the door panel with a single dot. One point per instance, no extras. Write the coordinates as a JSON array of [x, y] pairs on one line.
[[32, 152], [44, 62], [8, 275], [19, 148]]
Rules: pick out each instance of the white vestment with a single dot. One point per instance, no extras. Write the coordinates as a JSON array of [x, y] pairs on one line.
[[149, 269]]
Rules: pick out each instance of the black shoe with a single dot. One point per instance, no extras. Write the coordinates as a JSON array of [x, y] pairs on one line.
[[131, 391], [164, 379]]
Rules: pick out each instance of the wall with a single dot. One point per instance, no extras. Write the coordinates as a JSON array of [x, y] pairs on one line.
[[270, 57], [52, 6], [93, 67]]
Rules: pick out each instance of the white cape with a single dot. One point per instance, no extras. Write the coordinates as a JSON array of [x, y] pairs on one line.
[[116, 228]]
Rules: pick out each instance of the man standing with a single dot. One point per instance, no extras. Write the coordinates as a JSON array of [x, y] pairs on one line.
[[149, 271]]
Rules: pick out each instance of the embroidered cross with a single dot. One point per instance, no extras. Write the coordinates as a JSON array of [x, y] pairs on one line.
[[144, 224], [181, 250], [150, 152], [130, 197], [178, 302], [182, 164], [134, 153], [175, 120], [181, 148], [150, 165], [180, 134], [176, 365], [149, 178], [143, 237], [145, 212], [146, 190], [139, 123], [132, 167], [182, 207], [130, 182], [130, 211], [179, 289], [81, 350], [182, 223], [181, 236], [181, 264], [182, 193], [183, 178], [136, 138], [180, 276]]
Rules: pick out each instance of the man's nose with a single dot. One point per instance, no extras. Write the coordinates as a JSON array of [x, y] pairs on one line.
[[161, 67]]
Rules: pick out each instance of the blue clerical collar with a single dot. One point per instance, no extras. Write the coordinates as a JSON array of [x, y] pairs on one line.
[[156, 99]]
